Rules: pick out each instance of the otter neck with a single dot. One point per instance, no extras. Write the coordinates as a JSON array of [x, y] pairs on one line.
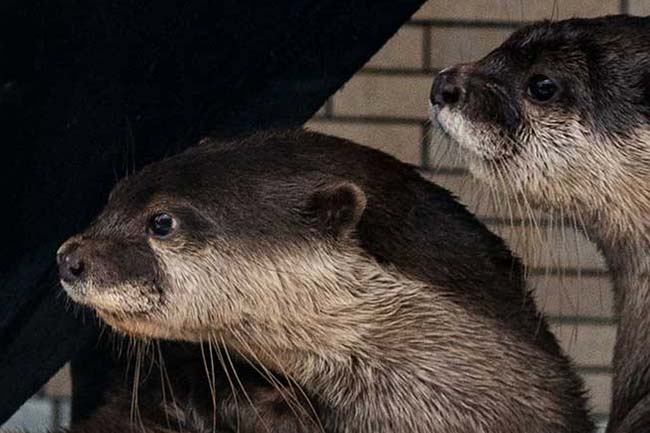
[[353, 358], [627, 253], [628, 260], [622, 233], [387, 359]]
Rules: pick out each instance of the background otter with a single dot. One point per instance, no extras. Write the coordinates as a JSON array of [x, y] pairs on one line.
[[560, 113], [339, 267]]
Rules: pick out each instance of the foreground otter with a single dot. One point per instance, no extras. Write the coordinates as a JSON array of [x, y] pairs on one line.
[[561, 114], [339, 267]]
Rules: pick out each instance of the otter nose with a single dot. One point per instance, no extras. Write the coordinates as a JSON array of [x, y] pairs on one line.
[[71, 263], [447, 88]]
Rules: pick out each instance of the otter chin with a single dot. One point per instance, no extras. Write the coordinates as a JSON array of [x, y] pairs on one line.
[[372, 289], [560, 114]]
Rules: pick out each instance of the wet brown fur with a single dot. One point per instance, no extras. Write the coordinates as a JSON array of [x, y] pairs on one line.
[[343, 270]]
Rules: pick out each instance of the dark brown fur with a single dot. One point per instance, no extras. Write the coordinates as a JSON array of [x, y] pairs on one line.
[[179, 395], [341, 268]]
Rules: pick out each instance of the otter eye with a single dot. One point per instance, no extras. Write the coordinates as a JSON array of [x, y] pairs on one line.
[[541, 87], [162, 225]]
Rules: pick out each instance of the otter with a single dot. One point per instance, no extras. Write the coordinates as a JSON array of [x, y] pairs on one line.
[[339, 268], [560, 114]]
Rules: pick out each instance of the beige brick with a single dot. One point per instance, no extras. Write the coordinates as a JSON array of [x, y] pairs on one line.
[[404, 50], [538, 246], [488, 203], [515, 10], [587, 345], [640, 7], [480, 198], [59, 385], [551, 248], [558, 295], [401, 141], [381, 95], [457, 45], [599, 390], [322, 111]]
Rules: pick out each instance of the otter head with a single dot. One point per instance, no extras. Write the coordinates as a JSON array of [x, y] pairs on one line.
[[215, 238], [559, 112]]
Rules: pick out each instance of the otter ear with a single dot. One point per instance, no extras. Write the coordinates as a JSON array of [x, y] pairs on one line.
[[338, 208]]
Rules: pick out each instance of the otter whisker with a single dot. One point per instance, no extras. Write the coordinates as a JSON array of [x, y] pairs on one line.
[[505, 186], [561, 227], [442, 148], [259, 367], [578, 232], [213, 385], [555, 11], [533, 219], [166, 384], [524, 216], [495, 203], [209, 374], [135, 415], [233, 388], [241, 385], [292, 400], [163, 391]]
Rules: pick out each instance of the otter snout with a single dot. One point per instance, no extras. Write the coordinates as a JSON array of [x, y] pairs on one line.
[[71, 261], [447, 89], [108, 273]]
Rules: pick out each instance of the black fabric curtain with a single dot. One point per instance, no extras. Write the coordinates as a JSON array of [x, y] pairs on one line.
[[90, 90]]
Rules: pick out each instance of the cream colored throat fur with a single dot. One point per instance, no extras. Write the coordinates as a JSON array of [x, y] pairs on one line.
[[386, 353]]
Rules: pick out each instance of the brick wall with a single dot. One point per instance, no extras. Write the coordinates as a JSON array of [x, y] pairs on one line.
[[385, 106]]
